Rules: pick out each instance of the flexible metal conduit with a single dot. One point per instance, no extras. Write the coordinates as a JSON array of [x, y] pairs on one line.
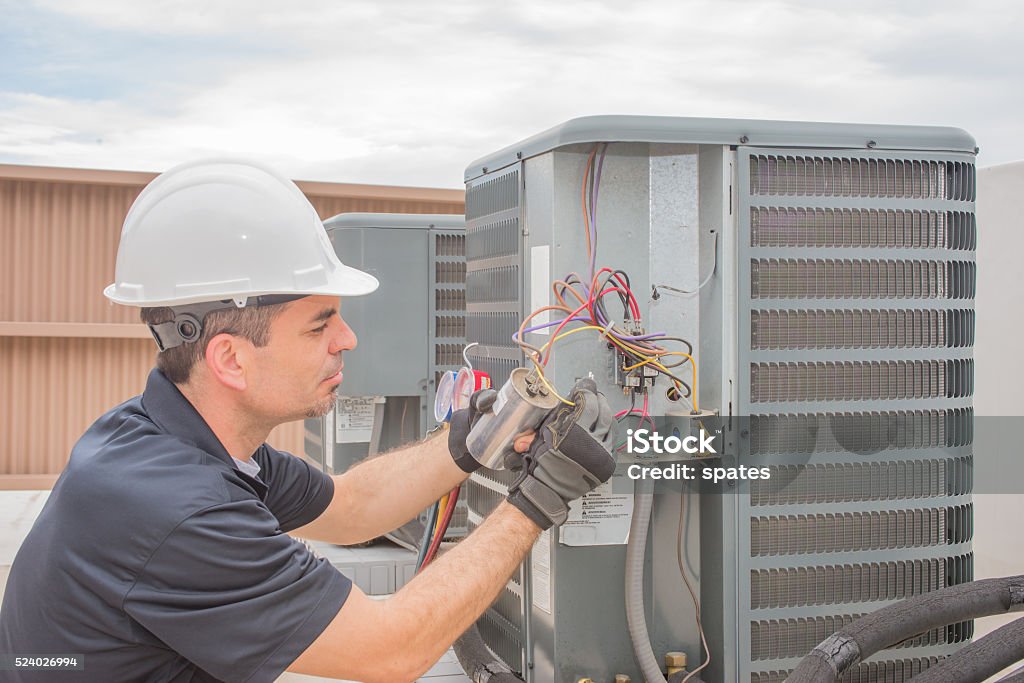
[[636, 550], [905, 619]]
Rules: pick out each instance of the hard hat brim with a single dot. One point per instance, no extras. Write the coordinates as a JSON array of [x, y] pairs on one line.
[[345, 281]]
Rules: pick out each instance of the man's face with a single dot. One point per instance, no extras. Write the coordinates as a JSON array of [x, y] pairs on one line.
[[298, 372]]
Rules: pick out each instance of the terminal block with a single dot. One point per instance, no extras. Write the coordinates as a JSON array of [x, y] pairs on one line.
[[636, 379]]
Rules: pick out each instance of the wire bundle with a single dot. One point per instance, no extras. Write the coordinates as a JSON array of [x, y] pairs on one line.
[[436, 528], [639, 349]]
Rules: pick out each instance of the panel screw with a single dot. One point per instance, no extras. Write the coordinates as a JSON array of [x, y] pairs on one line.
[[872, 144], [519, 155], [744, 139], [485, 169]]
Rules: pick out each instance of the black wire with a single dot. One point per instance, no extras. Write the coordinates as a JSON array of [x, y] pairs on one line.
[[689, 346], [632, 407]]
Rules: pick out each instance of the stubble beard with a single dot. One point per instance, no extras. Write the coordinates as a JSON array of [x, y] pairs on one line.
[[323, 406]]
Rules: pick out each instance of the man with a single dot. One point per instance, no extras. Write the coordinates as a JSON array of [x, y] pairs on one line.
[[163, 552]]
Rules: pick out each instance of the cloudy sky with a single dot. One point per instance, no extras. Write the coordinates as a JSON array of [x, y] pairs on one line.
[[410, 92]]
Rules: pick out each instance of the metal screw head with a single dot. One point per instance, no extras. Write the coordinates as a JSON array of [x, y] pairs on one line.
[[744, 139], [675, 659], [519, 155], [484, 169], [872, 144]]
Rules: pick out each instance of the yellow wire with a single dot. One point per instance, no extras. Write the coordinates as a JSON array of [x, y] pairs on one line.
[[544, 381], [442, 504], [653, 361]]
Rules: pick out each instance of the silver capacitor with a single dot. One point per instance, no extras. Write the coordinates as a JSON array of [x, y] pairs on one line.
[[521, 406]]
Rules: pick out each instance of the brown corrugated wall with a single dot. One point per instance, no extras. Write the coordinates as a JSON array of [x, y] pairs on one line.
[[66, 354]]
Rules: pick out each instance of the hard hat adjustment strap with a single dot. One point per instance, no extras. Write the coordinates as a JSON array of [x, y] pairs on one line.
[[187, 325]]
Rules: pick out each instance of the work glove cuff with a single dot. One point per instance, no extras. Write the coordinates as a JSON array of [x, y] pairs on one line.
[[462, 423], [544, 507]]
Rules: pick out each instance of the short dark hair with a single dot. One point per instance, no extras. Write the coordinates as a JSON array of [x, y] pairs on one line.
[[251, 323]]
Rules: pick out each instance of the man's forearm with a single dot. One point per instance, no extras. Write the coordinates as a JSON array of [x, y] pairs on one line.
[[440, 603], [386, 491]]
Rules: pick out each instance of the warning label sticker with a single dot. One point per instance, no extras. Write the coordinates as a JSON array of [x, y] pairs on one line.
[[354, 418], [600, 517]]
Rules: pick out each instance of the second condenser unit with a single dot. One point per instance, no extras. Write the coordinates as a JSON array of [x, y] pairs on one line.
[[823, 277], [410, 331]]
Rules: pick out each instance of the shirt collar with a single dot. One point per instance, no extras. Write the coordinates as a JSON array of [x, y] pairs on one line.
[[173, 413]]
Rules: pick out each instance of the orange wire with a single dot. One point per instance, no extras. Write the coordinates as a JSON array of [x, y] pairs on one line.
[[583, 201]]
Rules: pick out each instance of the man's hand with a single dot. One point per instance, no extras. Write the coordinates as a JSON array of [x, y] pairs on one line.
[[462, 423], [571, 457]]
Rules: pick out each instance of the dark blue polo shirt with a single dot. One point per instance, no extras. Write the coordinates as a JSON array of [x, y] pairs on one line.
[[156, 559]]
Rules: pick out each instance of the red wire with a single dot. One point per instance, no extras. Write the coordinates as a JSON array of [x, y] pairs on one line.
[[453, 498], [633, 305]]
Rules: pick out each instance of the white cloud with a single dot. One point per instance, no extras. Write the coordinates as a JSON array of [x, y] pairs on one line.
[[411, 92]]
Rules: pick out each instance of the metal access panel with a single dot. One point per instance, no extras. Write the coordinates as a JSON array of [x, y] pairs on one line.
[[842, 297], [409, 331], [562, 618]]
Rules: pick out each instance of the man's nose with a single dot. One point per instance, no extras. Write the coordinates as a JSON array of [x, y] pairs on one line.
[[344, 339]]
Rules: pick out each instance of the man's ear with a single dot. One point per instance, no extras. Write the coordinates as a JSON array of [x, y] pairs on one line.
[[225, 359]]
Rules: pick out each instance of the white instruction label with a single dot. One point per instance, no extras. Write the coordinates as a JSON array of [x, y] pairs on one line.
[[354, 418], [600, 517], [540, 572], [328, 447], [540, 285]]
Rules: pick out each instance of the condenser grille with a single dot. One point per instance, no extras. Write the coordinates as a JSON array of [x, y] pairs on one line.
[[856, 531], [861, 329], [893, 671], [493, 329], [492, 196], [500, 284], [780, 638], [860, 279], [450, 272], [861, 380], [447, 354], [836, 584], [858, 481], [828, 227], [449, 326], [498, 368], [450, 246], [502, 639], [498, 238], [482, 500], [863, 432], [450, 300], [815, 176], [509, 607]]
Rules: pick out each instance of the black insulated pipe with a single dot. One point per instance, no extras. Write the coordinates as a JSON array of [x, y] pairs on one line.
[[977, 661], [479, 663], [906, 619], [1016, 676]]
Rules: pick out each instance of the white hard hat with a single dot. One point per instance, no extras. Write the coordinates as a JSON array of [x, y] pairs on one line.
[[217, 230]]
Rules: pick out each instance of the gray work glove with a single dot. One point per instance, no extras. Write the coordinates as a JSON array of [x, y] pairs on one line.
[[460, 425], [571, 456]]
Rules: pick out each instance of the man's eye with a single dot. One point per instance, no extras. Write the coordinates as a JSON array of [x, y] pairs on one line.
[[320, 329]]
